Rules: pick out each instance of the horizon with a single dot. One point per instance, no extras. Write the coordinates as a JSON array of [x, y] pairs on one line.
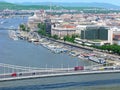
[[115, 2]]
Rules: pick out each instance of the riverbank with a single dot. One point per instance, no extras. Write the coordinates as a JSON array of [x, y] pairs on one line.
[[73, 49]]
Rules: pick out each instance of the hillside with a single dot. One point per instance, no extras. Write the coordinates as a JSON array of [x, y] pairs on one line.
[[74, 4], [83, 8], [5, 5]]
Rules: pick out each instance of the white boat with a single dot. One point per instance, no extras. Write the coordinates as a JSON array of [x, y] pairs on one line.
[[98, 60], [13, 35]]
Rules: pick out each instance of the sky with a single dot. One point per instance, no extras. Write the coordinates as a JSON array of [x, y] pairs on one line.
[[116, 2]]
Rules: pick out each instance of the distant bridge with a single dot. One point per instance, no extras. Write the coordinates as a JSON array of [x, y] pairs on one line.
[[17, 15], [9, 29], [27, 15], [14, 72]]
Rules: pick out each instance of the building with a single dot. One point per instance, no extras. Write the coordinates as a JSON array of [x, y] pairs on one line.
[[93, 32], [38, 17], [79, 28], [63, 31], [116, 37], [48, 25]]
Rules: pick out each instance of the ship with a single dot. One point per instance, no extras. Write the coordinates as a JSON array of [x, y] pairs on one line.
[[97, 60], [13, 35]]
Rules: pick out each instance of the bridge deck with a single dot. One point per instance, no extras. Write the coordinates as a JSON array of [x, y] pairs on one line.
[[15, 72], [51, 73]]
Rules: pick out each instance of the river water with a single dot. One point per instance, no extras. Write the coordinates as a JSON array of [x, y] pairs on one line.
[[27, 54]]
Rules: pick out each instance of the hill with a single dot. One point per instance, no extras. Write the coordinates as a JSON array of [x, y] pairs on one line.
[[33, 6], [6, 5], [91, 8], [73, 4]]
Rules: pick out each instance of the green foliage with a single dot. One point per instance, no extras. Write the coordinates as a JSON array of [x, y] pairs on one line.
[[55, 36], [48, 35], [42, 32], [110, 48], [41, 26], [24, 28], [42, 29], [5, 5], [69, 38], [28, 29]]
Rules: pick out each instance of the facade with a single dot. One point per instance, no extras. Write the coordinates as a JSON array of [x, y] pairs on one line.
[[79, 28], [48, 25], [97, 33], [61, 32], [94, 32], [116, 35]]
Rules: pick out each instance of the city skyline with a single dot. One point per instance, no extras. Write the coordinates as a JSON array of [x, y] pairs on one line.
[[115, 2]]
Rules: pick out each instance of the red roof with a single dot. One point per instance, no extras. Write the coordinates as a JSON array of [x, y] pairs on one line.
[[68, 26]]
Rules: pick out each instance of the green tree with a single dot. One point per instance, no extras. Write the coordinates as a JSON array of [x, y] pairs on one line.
[[69, 38], [42, 32], [110, 48], [41, 26], [22, 27], [55, 36], [28, 29]]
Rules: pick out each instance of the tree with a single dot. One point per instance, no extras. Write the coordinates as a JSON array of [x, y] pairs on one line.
[[110, 48], [22, 27], [42, 32], [64, 38], [41, 26], [69, 38], [28, 29], [55, 36]]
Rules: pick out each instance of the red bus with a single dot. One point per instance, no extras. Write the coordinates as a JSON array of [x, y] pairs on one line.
[[14, 74], [78, 68]]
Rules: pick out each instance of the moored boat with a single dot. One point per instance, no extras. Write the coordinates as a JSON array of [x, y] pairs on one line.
[[97, 60]]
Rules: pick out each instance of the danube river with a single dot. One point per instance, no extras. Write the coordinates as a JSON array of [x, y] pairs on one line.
[[22, 53], [27, 54]]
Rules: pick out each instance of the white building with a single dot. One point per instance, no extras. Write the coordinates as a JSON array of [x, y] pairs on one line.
[[79, 28], [62, 31]]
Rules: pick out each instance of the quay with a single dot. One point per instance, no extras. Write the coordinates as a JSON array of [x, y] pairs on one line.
[[70, 44]]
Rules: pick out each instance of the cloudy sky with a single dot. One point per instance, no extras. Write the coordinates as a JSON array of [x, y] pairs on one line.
[[116, 2]]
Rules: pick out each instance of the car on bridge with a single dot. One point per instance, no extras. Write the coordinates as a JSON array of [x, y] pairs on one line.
[[14, 74], [78, 68]]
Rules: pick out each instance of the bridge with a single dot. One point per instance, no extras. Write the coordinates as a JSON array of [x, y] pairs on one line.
[[3, 28], [22, 15], [17, 15], [15, 72]]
